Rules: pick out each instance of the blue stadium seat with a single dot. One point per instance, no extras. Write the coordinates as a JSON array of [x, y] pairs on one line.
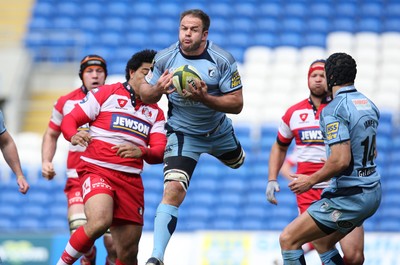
[[39, 23], [239, 41], [296, 9], [169, 9], [320, 10], [267, 25], [223, 224], [371, 10], [115, 24], [291, 39], [392, 9], [318, 25], [245, 9], [370, 24], [118, 9], [9, 211], [93, 9], [242, 24], [7, 224], [346, 9], [140, 24], [315, 39], [42, 8], [270, 9], [391, 24], [166, 24], [90, 24], [344, 24], [220, 9], [68, 8], [264, 39], [227, 212], [292, 25]]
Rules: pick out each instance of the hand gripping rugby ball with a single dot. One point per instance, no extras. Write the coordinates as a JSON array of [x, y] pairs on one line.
[[184, 75]]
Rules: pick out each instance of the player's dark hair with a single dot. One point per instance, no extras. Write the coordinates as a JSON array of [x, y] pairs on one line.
[[340, 69], [144, 56], [318, 61], [90, 60], [205, 19]]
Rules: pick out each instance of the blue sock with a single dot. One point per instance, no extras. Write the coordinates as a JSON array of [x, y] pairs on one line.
[[293, 257], [164, 227], [331, 257]]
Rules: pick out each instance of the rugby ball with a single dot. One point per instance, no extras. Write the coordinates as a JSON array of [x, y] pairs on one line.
[[184, 75]]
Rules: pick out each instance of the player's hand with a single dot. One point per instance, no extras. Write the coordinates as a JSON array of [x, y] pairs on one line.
[[198, 91], [164, 83], [22, 184], [81, 138], [127, 151], [300, 183], [272, 187], [48, 171]]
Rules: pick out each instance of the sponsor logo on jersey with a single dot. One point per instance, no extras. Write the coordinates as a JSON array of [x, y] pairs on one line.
[[331, 130], [335, 215], [361, 104], [130, 125], [95, 90], [303, 116], [235, 80], [311, 136], [122, 102]]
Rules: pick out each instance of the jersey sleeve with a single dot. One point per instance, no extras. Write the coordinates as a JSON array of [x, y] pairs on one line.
[[230, 79], [334, 129]]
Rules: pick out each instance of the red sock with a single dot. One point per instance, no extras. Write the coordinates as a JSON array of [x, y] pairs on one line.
[[118, 262], [78, 244]]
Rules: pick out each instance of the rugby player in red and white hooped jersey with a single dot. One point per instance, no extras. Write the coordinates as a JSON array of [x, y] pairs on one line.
[[123, 133], [93, 73], [301, 122]]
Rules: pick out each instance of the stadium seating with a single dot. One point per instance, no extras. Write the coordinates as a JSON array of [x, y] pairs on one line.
[[274, 42]]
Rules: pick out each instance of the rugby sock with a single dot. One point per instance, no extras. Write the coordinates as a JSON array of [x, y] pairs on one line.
[[118, 262], [78, 244], [307, 247], [293, 257], [331, 257], [109, 262], [164, 227], [91, 254]]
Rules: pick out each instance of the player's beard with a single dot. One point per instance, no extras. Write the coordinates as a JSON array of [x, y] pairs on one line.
[[191, 47], [319, 95]]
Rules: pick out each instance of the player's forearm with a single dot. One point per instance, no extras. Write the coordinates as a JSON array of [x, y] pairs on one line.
[[10, 154], [150, 94], [227, 103], [49, 147]]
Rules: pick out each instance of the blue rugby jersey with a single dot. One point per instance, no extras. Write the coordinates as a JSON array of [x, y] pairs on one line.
[[2, 125], [352, 116], [217, 68]]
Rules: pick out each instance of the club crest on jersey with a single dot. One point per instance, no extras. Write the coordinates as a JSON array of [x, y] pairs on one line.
[[131, 125], [332, 130], [311, 136], [122, 102], [303, 116], [146, 112], [211, 72]]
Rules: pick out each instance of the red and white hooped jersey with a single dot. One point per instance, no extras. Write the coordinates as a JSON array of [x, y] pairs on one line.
[[113, 119], [301, 122], [62, 107]]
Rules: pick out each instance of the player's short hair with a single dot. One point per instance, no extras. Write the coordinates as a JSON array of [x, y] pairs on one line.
[[205, 19], [92, 60], [340, 69], [144, 56]]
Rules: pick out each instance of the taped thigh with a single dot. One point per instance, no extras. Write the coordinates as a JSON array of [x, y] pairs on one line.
[[75, 221], [177, 175]]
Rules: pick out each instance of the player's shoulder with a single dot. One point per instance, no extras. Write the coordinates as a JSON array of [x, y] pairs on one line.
[[75, 94], [165, 54], [303, 104], [219, 53]]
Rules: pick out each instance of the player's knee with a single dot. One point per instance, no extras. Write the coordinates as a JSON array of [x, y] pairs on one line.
[[355, 258], [75, 221], [177, 175], [236, 162]]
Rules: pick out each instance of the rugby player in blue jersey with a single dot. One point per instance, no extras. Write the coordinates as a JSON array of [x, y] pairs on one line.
[[349, 126], [196, 123]]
